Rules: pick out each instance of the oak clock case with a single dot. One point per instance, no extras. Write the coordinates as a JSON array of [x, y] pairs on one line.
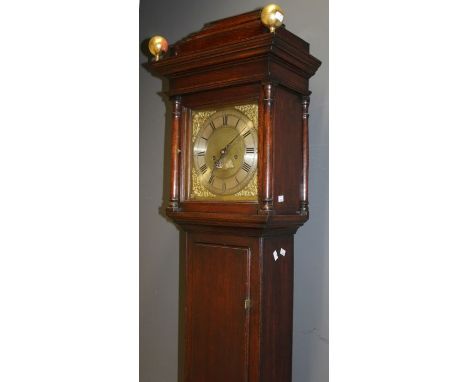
[[238, 190]]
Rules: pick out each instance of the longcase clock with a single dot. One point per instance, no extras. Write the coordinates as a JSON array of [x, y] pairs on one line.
[[238, 190]]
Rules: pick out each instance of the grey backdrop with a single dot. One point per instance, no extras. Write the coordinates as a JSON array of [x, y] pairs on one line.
[[159, 245]]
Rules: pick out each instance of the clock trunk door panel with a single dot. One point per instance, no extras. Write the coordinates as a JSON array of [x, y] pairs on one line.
[[217, 326]]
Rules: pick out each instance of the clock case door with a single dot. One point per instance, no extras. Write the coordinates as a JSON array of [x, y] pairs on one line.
[[221, 326], [236, 305]]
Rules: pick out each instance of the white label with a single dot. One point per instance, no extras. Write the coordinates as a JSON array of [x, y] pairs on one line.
[[280, 198], [279, 16], [275, 255], [283, 252]]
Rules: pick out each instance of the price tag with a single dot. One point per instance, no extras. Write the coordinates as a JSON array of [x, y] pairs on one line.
[[275, 255]]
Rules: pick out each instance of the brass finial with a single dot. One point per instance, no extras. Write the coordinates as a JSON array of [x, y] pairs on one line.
[[158, 46], [272, 16]]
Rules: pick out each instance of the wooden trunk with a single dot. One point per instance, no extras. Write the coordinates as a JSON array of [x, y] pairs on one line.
[[238, 306]]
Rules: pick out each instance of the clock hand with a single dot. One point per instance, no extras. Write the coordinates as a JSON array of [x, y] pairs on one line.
[[217, 162], [236, 137], [224, 151], [230, 143]]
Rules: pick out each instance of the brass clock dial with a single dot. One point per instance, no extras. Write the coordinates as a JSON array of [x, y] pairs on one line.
[[225, 152]]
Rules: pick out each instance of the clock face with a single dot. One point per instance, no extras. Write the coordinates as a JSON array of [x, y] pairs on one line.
[[225, 152]]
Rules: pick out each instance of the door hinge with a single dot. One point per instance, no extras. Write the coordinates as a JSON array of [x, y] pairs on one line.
[[247, 303]]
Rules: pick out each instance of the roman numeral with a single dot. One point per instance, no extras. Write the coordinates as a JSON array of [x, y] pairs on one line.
[[225, 118], [246, 167], [203, 168], [245, 135], [212, 125], [211, 179], [250, 150], [201, 153], [224, 186], [237, 180]]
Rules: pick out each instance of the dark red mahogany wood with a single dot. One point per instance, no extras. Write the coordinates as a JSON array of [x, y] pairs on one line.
[[267, 162], [304, 207], [175, 151], [236, 286]]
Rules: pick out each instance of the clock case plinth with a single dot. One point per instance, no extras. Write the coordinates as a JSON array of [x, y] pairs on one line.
[[236, 295]]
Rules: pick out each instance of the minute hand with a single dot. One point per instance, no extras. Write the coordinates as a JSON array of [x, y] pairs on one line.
[[230, 143], [224, 150]]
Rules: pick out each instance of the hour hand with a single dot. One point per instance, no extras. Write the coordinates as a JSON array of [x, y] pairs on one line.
[[218, 163]]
